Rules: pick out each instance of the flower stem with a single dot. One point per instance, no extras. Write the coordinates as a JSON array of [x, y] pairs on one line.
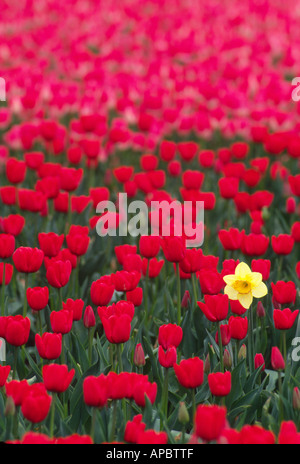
[[220, 347], [178, 295], [25, 296], [52, 415]]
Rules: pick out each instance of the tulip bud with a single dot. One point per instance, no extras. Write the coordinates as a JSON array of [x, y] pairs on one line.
[[296, 398], [277, 360], [207, 364], [139, 356], [242, 353], [227, 359], [89, 319], [183, 415], [260, 310], [10, 408], [186, 299]]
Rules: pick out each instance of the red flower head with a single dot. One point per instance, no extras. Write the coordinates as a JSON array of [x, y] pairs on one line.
[[284, 292], [7, 245], [238, 327], [190, 372], [215, 307], [210, 421], [37, 297], [285, 318], [15, 171], [76, 306], [277, 360], [49, 345], [283, 244], [102, 292], [61, 321], [28, 260], [36, 403], [95, 391], [58, 273], [167, 358], [7, 270], [149, 246], [219, 383], [4, 373], [169, 335], [50, 243], [57, 378], [134, 428], [17, 329]]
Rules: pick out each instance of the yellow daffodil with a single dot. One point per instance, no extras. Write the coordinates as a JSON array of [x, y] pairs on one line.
[[244, 285]]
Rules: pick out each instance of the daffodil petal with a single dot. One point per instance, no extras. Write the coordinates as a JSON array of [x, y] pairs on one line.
[[245, 299], [229, 279], [242, 270], [260, 291], [232, 294], [255, 278]]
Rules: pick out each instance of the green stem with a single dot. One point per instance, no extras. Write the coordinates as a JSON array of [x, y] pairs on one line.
[[194, 401], [220, 347], [178, 295], [93, 423], [25, 296], [119, 355], [3, 292], [280, 397], [114, 422], [250, 342], [164, 398], [194, 280], [52, 415], [16, 352]]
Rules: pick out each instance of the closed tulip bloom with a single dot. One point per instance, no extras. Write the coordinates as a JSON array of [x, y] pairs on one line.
[[57, 378], [78, 243], [8, 195], [37, 297], [225, 334], [190, 372], [36, 403], [169, 335], [135, 296], [215, 307], [210, 421], [154, 266], [139, 356], [231, 239], [89, 319], [238, 327], [17, 330], [125, 281], [28, 260], [70, 178], [174, 248], [7, 245], [58, 273], [167, 358], [255, 434], [49, 345], [7, 270], [134, 428], [122, 251], [13, 224], [284, 292], [229, 187], [192, 261], [149, 246], [133, 263], [76, 306], [95, 391], [259, 361], [288, 434], [143, 388], [61, 321], [255, 244], [283, 244], [295, 232], [219, 383], [152, 437], [263, 266], [211, 282], [50, 243], [17, 389], [4, 373], [15, 171], [285, 318], [117, 328], [277, 360], [101, 292]]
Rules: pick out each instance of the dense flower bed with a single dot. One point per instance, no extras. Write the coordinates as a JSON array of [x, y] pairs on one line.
[[143, 339]]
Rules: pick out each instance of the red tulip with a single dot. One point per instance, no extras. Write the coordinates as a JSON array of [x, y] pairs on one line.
[[285, 318], [219, 383], [4, 373], [149, 246], [76, 306], [49, 345], [238, 327], [7, 245], [37, 297], [36, 403], [283, 244], [15, 171], [210, 421], [169, 335], [58, 273], [255, 434], [259, 361], [190, 372], [13, 224], [28, 260], [277, 360], [95, 391], [50, 243], [8, 270], [17, 330], [57, 378], [167, 358], [284, 292], [61, 321], [17, 389], [101, 292], [215, 307], [134, 428]]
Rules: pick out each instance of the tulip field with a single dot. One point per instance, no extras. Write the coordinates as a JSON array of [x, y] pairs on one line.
[[115, 326]]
